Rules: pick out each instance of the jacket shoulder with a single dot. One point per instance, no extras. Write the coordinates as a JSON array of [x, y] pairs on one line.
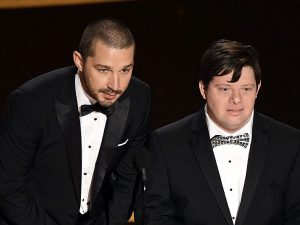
[[138, 90], [178, 126], [275, 126], [42, 89], [137, 85], [49, 80]]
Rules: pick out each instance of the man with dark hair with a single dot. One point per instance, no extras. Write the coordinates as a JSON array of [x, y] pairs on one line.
[[226, 164], [68, 137]]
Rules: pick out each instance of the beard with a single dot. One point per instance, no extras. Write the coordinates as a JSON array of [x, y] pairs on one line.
[[106, 102], [109, 91]]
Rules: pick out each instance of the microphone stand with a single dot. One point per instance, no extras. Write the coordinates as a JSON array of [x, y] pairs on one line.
[[142, 159], [144, 189]]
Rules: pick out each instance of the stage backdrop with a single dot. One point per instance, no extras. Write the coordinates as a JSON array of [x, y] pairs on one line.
[[171, 37]]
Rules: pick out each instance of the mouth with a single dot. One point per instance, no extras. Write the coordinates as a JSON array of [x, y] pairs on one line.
[[235, 111], [110, 96]]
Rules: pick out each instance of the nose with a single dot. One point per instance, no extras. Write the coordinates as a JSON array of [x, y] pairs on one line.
[[114, 82], [235, 97]]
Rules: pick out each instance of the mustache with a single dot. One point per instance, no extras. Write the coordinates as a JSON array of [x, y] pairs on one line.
[[109, 91]]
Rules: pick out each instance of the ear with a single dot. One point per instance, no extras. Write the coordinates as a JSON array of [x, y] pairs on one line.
[[77, 58], [258, 88], [202, 89]]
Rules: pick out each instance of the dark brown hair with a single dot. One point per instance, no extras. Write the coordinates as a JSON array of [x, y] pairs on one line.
[[111, 32], [225, 56]]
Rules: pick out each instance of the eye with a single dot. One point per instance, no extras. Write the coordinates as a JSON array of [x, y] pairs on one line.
[[247, 89], [102, 70], [224, 89], [125, 70]]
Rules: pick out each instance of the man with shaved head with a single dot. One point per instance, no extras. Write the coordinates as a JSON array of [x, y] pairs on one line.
[[68, 137]]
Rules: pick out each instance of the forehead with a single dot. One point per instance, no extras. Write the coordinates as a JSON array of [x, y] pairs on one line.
[[247, 77], [102, 50], [113, 58], [98, 43]]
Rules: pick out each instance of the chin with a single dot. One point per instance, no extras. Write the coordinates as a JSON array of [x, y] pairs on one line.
[[106, 103]]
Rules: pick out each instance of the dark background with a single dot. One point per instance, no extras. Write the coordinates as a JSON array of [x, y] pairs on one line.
[[171, 37]]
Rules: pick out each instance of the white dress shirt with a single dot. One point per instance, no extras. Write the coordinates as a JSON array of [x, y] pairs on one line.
[[232, 163], [92, 129]]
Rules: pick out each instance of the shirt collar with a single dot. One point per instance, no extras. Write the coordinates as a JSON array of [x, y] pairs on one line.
[[214, 129]]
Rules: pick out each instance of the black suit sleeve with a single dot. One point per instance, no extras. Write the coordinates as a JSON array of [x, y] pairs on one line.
[[160, 207], [19, 138], [292, 197], [125, 175]]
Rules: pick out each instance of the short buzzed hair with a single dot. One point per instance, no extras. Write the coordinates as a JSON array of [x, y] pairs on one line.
[[225, 56], [111, 32]]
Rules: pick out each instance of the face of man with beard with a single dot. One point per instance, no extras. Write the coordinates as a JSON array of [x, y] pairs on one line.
[[106, 74]]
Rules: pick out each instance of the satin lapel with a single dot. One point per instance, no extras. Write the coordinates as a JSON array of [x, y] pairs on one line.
[[204, 153], [68, 118], [256, 161], [113, 131]]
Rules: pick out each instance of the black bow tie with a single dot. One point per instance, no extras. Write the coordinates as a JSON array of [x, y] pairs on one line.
[[86, 109], [242, 140]]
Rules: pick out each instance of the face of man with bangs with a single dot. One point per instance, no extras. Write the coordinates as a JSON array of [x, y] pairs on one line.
[[230, 105]]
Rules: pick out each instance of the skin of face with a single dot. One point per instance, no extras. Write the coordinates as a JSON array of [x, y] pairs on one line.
[[230, 105], [106, 74]]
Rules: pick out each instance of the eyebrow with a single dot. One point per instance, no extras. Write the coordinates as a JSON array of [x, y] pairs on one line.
[[130, 65], [252, 85], [222, 85], [229, 84], [108, 67]]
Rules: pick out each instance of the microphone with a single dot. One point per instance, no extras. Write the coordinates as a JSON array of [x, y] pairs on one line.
[[142, 160]]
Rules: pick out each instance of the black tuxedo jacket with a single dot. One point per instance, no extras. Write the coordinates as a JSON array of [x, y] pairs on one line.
[[40, 153], [184, 186]]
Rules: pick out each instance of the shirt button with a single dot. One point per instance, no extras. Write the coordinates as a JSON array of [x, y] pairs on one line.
[[95, 119], [89, 146], [229, 161], [230, 189], [85, 173]]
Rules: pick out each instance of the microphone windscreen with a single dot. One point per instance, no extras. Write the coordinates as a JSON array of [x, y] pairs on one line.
[[142, 158]]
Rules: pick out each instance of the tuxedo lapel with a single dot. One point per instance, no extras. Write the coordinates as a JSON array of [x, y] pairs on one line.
[[68, 118], [256, 161], [201, 146], [113, 132]]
